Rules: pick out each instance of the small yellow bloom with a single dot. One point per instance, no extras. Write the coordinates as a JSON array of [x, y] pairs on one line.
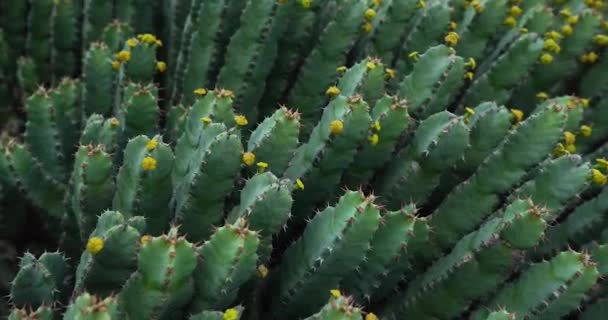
[[390, 73], [335, 293], [566, 30], [161, 66], [115, 65], [231, 314], [123, 56], [306, 4], [542, 96], [377, 3], [451, 39], [145, 239], [367, 27], [469, 76], [152, 144], [510, 22], [248, 158], [370, 65], [477, 6], [552, 46], [515, 11], [560, 150], [370, 14], [206, 120], [299, 184], [114, 122], [598, 177], [601, 163], [546, 58], [553, 35], [571, 148], [569, 138], [586, 130], [336, 127], [132, 42], [241, 121], [374, 139], [572, 20], [601, 40], [421, 4], [94, 245], [472, 64], [262, 166], [565, 13], [148, 164], [262, 271], [332, 91], [585, 102], [414, 55], [590, 57], [341, 69], [200, 91], [376, 126], [518, 115], [371, 316], [469, 111], [453, 26]]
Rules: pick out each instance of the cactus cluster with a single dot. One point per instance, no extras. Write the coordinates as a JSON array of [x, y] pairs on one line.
[[303, 159]]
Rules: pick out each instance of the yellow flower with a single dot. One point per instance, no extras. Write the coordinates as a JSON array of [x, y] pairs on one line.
[[472, 64], [341, 69], [367, 27], [414, 55], [469, 76], [421, 4], [515, 11], [332, 91], [336, 127], [299, 184], [542, 96], [231, 314], [248, 158], [602, 163], [560, 150], [145, 239], [552, 46], [451, 39], [161, 66], [390, 73], [586, 130], [370, 65], [306, 4], [151, 145], [572, 20], [510, 22], [262, 166], [590, 57], [148, 164], [114, 122], [94, 245], [115, 65], [262, 271], [453, 26], [123, 56], [571, 148], [598, 177], [200, 91], [376, 126], [601, 40], [370, 14], [371, 316], [553, 35], [206, 120], [518, 115], [569, 138], [132, 42], [241, 121], [566, 30], [335, 293], [374, 139], [546, 58]]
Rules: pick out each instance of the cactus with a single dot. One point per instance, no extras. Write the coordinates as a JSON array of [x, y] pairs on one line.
[[196, 159]]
